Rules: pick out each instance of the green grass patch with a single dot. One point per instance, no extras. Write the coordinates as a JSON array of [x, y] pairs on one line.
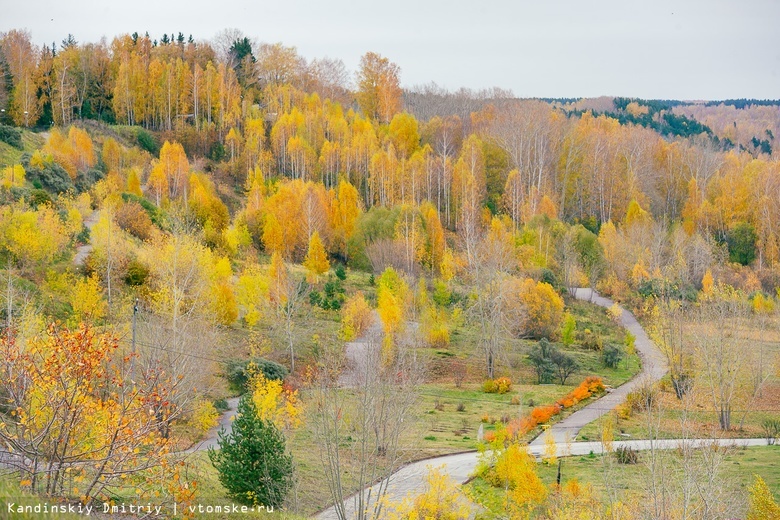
[[10, 155], [739, 469], [10, 492]]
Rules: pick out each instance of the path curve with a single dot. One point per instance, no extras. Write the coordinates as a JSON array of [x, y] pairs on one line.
[[356, 354], [225, 422], [411, 477], [654, 367], [82, 251], [409, 480]]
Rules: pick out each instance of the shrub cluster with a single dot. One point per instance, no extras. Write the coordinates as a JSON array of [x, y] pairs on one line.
[[11, 135], [501, 385], [239, 372], [592, 385]]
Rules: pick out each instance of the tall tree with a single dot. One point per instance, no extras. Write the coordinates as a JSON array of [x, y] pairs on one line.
[[379, 91]]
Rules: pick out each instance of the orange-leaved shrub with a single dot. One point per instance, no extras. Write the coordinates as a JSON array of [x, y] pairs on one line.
[[592, 385]]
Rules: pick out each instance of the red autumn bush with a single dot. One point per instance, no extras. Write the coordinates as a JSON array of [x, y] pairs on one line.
[[541, 414]]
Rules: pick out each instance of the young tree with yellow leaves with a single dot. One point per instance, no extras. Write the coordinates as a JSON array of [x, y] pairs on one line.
[[391, 298], [762, 505], [356, 317], [441, 499], [276, 402], [12, 176], [316, 262]]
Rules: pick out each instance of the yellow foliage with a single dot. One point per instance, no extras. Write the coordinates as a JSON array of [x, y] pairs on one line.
[[345, 211], [356, 317], [550, 448], [440, 500], [763, 304], [389, 309], [87, 300], [134, 182], [276, 403], [608, 432], [448, 266], [273, 237], [636, 215], [639, 273], [435, 327], [614, 312], [316, 261], [12, 176], [236, 238], [204, 416], [32, 237], [223, 303], [251, 291], [576, 502], [707, 283], [547, 207], [543, 309], [278, 280], [516, 470], [762, 504]]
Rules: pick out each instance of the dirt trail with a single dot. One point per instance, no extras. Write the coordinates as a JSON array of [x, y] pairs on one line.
[[82, 251]]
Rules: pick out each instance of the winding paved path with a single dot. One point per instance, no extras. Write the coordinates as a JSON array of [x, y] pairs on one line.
[[225, 421], [357, 351], [410, 479], [654, 366]]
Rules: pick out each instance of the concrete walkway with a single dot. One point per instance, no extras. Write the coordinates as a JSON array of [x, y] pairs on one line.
[[410, 479], [654, 367], [225, 421], [356, 354]]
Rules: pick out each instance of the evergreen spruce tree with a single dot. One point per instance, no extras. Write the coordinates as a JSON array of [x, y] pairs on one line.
[[252, 461]]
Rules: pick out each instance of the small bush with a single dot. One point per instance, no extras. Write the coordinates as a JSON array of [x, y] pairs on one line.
[[137, 273], [44, 173], [438, 405], [204, 416], [12, 136], [340, 272], [134, 219], [238, 372], [591, 341], [638, 400], [611, 356], [153, 211], [501, 385], [147, 141], [626, 455], [461, 406], [515, 400], [83, 236], [771, 429]]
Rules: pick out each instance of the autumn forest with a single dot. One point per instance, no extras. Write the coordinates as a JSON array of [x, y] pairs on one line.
[[231, 274]]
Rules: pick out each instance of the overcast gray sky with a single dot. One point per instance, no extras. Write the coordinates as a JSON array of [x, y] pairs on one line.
[[684, 49]]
